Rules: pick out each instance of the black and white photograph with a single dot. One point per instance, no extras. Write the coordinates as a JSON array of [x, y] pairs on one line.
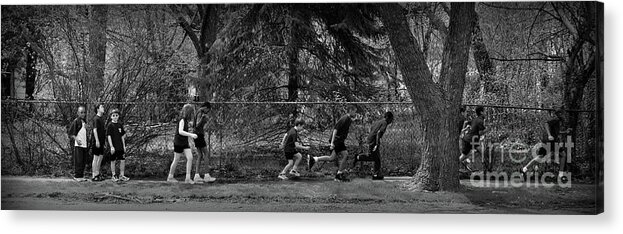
[[353, 107]]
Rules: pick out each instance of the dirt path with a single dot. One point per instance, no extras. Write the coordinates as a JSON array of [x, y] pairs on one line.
[[311, 195]]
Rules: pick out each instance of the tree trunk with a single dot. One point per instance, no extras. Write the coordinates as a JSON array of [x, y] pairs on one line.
[[207, 37], [482, 60], [97, 51], [454, 67], [426, 95], [31, 72], [293, 61]]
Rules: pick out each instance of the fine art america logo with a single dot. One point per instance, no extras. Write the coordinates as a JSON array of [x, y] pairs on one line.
[[520, 154]]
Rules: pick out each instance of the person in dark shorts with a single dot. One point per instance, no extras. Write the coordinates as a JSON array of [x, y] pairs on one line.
[[374, 143], [116, 140], [338, 146], [201, 120], [181, 145], [551, 135], [98, 142], [78, 134], [471, 140], [290, 143]]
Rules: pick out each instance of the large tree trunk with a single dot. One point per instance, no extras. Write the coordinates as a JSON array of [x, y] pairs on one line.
[[426, 95], [97, 51], [438, 116], [209, 29], [580, 65], [293, 60], [454, 67]]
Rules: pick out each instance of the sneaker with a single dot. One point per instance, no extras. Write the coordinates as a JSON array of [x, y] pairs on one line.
[[295, 173], [341, 177], [282, 176], [310, 162], [124, 178], [198, 179], [97, 178], [377, 177], [115, 178], [172, 180], [189, 181], [208, 178]]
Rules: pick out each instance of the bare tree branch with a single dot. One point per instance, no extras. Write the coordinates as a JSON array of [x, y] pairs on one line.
[[565, 21]]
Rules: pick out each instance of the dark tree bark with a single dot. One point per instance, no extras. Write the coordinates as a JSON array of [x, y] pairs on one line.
[[293, 60], [438, 111], [454, 67], [482, 60], [97, 51], [578, 66], [426, 95], [31, 71]]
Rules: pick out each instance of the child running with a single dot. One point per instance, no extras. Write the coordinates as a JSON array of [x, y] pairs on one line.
[[471, 140], [99, 140], [200, 143], [290, 143], [181, 145], [338, 146], [550, 136], [116, 141]]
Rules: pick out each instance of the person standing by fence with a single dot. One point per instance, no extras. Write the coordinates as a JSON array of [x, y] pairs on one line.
[[181, 145], [98, 142], [78, 134], [200, 143], [116, 141]]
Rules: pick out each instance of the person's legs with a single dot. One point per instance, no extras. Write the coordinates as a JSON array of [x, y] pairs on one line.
[[200, 153], [176, 159], [376, 155], [189, 164], [282, 175], [342, 162], [79, 154], [206, 155], [326, 157], [313, 160], [563, 160], [112, 168], [297, 160], [340, 175], [95, 166], [122, 169]]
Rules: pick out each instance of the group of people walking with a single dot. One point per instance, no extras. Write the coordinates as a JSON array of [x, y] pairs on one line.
[[192, 124]]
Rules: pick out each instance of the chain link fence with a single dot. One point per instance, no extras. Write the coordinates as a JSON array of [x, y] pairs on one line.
[[243, 137]]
